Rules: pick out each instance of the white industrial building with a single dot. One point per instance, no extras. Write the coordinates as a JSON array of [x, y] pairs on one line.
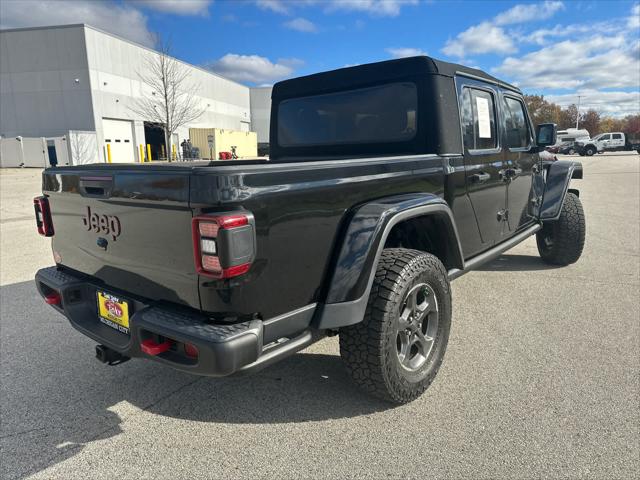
[[72, 89], [260, 100]]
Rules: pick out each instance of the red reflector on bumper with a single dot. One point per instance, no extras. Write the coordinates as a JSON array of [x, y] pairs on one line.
[[53, 298], [152, 348], [191, 350]]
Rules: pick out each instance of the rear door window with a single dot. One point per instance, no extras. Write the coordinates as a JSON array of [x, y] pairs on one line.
[[381, 114], [516, 125], [478, 117]]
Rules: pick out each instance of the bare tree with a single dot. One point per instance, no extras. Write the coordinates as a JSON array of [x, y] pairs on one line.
[[168, 99], [81, 147]]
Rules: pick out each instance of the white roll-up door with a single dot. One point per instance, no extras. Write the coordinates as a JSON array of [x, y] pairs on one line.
[[118, 134]]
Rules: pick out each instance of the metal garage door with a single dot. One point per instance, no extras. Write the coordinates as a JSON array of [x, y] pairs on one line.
[[119, 135]]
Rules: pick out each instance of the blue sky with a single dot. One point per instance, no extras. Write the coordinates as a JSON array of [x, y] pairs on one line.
[[558, 48]]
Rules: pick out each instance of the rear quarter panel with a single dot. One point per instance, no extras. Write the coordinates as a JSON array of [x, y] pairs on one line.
[[299, 210]]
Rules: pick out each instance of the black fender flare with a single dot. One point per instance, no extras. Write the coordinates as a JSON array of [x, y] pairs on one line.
[[360, 246], [559, 175]]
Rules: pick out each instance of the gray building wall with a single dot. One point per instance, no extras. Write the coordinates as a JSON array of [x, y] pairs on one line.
[[62, 78], [261, 112], [44, 82]]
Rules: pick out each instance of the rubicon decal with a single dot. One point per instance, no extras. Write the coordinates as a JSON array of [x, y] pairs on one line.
[[107, 224]]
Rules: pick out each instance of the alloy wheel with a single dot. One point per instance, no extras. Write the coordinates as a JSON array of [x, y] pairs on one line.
[[417, 326]]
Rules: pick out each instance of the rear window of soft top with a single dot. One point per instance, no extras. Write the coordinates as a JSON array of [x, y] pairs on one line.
[[381, 114]]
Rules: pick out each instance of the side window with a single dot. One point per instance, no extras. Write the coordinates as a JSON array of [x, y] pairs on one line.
[[605, 137], [466, 115], [516, 123], [617, 136], [478, 118]]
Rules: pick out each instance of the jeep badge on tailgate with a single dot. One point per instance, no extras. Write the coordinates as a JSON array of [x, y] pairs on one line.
[[107, 224]]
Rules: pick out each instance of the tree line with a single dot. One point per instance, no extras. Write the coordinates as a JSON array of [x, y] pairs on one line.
[[543, 111]]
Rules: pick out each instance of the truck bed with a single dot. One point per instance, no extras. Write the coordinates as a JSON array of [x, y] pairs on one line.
[[298, 208]]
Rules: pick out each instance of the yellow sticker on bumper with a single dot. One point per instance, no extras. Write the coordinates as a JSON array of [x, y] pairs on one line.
[[113, 312]]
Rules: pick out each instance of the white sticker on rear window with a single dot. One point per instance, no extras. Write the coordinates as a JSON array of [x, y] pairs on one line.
[[484, 122]]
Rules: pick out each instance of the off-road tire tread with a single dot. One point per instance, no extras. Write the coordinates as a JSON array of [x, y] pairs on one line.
[[362, 344], [568, 234]]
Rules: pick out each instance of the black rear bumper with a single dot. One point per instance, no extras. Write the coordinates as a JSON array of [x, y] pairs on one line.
[[223, 349]]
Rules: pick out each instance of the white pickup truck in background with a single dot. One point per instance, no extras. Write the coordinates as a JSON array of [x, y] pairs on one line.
[[606, 142]]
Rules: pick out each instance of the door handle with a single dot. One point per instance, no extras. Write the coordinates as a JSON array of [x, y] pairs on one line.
[[95, 186], [480, 177]]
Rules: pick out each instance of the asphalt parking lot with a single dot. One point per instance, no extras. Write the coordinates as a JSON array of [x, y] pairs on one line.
[[541, 378]]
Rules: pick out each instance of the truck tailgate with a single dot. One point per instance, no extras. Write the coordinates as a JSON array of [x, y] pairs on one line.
[[129, 227]]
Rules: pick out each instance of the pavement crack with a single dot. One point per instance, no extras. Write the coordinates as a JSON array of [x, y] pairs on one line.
[[146, 408]]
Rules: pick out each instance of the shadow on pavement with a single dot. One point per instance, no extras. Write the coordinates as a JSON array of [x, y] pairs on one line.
[[56, 398], [516, 263], [305, 387]]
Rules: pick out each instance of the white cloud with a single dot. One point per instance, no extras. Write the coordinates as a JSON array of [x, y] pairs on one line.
[[405, 52], [253, 68], [123, 20], [277, 6], [378, 8], [588, 59], [616, 104], [177, 7], [382, 8], [301, 25], [528, 12], [490, 37], [592, 63], [633, 23], [545, 35], [482, 38]]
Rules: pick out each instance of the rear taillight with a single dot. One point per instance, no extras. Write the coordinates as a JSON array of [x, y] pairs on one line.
[[43, 216], [223, 245]]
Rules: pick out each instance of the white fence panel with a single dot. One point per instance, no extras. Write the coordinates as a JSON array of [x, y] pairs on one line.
[[34, 152], [10, 152]]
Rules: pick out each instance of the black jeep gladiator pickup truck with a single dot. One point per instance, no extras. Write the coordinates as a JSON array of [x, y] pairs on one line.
[[386, 181]]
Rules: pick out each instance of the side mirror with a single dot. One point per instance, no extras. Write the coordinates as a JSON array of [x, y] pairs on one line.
[[546, 134]]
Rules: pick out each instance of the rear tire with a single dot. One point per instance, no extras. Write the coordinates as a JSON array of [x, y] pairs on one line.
[[571, 151], [398, 348], [561, 242]]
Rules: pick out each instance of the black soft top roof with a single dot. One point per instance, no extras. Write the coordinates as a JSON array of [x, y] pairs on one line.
[[376, 72]]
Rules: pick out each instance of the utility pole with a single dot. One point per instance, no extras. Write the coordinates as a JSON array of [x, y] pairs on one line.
[[578, 112]]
